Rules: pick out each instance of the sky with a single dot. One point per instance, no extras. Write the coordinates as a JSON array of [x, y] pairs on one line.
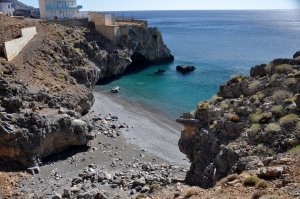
[[131, 5]]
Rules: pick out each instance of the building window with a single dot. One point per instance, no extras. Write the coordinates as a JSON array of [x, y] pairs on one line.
[[9, 6], [53, 13], [70, 3], [71, 13]]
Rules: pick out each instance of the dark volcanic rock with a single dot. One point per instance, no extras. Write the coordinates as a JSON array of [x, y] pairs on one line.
[[185, 69]]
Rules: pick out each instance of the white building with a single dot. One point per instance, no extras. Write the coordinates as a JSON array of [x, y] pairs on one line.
[[7, 8], [51, 9]]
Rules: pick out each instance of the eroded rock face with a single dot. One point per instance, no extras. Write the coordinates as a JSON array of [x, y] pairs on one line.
[[251, 118], [42, 113], [37, 136]]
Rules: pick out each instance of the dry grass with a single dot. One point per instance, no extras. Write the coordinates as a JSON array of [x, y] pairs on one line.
[[233, 117], [190, 192]]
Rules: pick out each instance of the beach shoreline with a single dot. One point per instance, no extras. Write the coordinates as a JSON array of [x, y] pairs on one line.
[[149, 129]]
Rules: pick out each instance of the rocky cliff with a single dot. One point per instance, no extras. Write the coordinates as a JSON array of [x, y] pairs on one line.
[[243, 127], [47, 89]]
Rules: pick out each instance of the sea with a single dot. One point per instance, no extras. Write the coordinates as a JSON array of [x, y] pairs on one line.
[[219, 43]]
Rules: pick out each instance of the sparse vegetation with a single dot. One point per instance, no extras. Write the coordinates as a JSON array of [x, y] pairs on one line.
[[61, 75], [295, 148], [251, 181], [280, 95], [141, 195], [202, 105], [257, 194], [154, 187], [288, 119], [283, 68], [230, 178], [273, 128], [253, 85], [55, 65], [235, 76], [277, 109], [255, 128], [224, 105], [14, 120]]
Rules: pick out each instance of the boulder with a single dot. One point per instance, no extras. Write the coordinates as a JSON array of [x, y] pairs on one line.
[[185, 69], [115, 89], [268, 172]]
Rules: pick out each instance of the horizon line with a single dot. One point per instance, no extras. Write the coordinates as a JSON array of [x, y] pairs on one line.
[[197, 10]]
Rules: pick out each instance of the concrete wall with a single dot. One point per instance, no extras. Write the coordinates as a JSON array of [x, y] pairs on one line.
[[70, 22], [6, 8], [12, 48], [83, 14], [42, 9]]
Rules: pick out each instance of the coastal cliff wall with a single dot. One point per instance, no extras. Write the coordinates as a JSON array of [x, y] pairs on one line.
[[47, 90], [243, 127]]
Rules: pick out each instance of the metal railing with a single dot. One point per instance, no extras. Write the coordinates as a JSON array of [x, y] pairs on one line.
[[63, 7]]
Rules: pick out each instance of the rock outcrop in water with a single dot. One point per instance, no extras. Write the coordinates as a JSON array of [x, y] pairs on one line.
[[47, 89], [244, 126]]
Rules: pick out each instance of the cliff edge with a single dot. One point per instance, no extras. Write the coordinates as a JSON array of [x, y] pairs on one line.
[[47, 89], [249, 125]]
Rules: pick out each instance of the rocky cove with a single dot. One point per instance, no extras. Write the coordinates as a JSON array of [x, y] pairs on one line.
[[46, 102]]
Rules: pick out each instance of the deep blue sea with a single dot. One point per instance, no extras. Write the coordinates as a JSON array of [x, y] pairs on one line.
[[217, 43]]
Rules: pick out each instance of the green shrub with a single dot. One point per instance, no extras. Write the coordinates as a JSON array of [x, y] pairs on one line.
[[255, 128], [259, 95], [202, 105], [273, 128], [61, 75], [281, 95], [283, 68], [55, 65], [256, 117], [233, 117], [257, 194], [277, 110], [224, 105], [288, 119], [251, 181], [262, 184]]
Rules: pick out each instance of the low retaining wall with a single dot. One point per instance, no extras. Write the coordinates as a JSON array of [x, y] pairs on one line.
[[70, 22], [12, 48]]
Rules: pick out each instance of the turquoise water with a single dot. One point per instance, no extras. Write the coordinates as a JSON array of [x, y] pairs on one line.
[[217, 43]]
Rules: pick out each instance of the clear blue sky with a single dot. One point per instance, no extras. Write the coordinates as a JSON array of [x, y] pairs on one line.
[[123, 5]]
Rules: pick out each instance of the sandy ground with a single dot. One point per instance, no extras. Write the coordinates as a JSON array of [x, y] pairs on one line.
[[149, 129]]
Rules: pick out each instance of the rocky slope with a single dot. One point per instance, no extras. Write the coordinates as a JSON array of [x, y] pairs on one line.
[[48, 86], [246, 126]]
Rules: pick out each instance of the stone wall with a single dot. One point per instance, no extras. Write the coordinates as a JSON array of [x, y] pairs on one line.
[[12, 48]]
